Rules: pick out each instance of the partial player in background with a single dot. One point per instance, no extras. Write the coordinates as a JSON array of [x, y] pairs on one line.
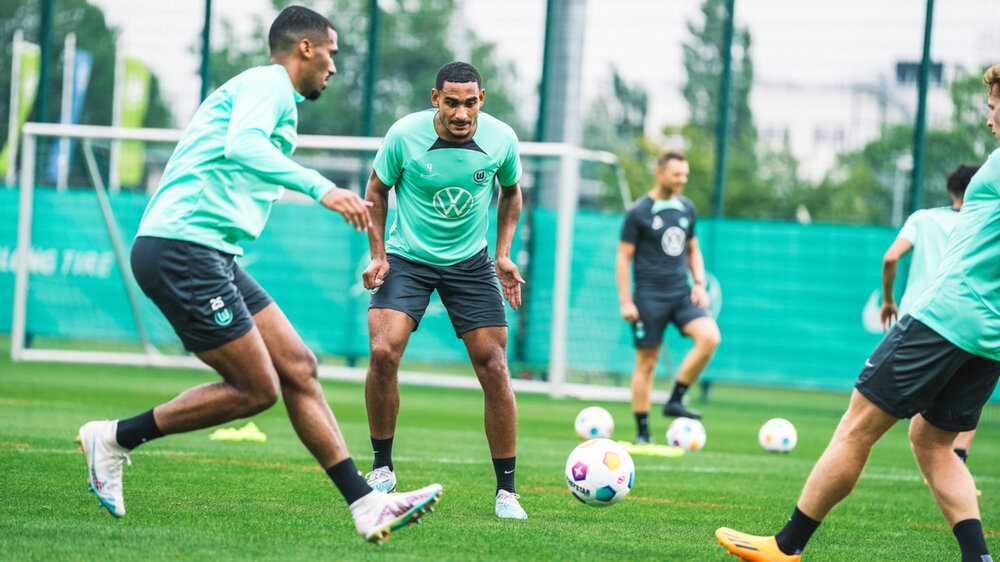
[[942, 361], [217, 191], [659, 236], [442, 163], [925, 233]]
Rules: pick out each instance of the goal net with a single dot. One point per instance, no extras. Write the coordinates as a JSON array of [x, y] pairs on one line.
[[75, 299]]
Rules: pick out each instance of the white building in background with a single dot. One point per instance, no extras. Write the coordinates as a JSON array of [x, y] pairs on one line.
[[821, 121]]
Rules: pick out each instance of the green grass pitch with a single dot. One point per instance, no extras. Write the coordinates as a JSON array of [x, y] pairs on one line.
[[190, 498]]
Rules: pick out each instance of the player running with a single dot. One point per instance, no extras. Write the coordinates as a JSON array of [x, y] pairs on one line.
[[217, 190], [942, 361]]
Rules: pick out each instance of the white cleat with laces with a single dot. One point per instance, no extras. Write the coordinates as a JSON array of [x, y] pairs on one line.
[[376, 513], [382, 479], [508, 506], [104, 463]]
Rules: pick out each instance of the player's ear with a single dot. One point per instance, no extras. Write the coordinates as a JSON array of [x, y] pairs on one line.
[[305, 48], [482, 97], [435, 97]]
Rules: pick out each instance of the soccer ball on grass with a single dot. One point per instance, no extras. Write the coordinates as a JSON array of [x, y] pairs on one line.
[[599, 472], [687, 433], [594, 422], [777, 435]]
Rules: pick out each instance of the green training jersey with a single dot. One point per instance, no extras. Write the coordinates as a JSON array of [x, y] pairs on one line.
[[927, 230], [443, 189], [231, 163], [963, 302]]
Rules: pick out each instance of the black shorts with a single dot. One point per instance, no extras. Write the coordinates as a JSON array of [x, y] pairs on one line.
[[655, 311], [469, 290], [207, 298], [915, 370]]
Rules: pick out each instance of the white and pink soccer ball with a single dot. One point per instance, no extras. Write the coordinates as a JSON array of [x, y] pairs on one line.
[[687, 433], [777, 435], [594, 422], [599, 472]]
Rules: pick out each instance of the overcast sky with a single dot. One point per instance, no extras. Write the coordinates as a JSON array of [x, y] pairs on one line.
[[831, 42]]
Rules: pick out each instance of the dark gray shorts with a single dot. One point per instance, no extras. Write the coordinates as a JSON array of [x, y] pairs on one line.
[[469, 290], [207, 298], [656, 311], [915, 370]]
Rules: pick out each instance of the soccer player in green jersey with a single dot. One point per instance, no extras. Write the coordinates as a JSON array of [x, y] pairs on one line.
[[941, 361], [217, 190], [925, 233], [442, 163]]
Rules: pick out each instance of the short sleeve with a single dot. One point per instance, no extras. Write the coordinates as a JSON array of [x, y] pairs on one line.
[[910, 228], [389, 159], [509, 172], [630, 230], [694, 218]]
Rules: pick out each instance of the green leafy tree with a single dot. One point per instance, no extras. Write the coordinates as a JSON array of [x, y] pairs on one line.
[[92, 35], [616, 123], [859, 188], [414, 42], [745, 195]]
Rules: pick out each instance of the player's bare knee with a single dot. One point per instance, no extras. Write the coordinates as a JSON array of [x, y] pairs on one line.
[[302, 371], [493, 374], [383, 358], [256, 399]]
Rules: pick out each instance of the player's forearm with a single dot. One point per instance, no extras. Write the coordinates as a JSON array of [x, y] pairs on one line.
[[378, 210], [508, 213], [890, 268], [623, 279], [696, 263], [254, 152]]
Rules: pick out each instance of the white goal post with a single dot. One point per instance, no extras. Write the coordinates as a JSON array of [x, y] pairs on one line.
[[569, 157]]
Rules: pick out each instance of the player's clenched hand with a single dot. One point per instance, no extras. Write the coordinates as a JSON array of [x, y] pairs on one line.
[[889, 315], [629, 312], [699, 296], [510, 280], [375, 273], [353, 208]]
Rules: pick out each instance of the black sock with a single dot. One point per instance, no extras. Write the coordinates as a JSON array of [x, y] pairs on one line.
[[970, 539], [348, 480], [504, 469], [963, 454], [383, 452], [678, 393], [642, 423], [797, 532], [137, 430]]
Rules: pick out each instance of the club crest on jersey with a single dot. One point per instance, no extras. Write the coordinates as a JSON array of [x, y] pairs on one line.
[[673, 241], [452, 202], [479, 176], [683, 222]]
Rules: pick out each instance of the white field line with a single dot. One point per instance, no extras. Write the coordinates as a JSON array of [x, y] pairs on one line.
[[870, 473]]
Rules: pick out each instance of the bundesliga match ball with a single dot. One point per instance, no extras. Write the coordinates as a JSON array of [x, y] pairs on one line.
[[687, 433], [599, 472], [777, 435], [594, 422]]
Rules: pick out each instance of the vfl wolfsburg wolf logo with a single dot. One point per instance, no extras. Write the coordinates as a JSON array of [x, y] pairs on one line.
[[479, 176], [452, 202]]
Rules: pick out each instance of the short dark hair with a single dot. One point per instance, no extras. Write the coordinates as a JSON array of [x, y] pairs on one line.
[[459, 73], [661, 162], [294, 23], [958, 180]]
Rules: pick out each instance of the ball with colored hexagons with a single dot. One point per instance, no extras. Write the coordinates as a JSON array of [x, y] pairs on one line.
[[599, 472]]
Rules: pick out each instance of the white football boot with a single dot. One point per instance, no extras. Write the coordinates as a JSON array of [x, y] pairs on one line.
[[508, 506], [104, 463], [382, 479], [376, 513]]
